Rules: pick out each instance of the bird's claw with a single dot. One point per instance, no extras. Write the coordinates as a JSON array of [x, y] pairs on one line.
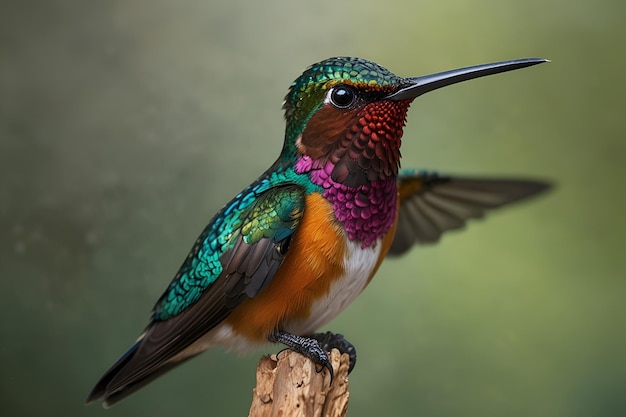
[[307, 346], [324, 362], [329, 341]]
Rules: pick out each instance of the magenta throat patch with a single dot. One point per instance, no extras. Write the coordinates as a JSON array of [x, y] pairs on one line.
[[367, 212]]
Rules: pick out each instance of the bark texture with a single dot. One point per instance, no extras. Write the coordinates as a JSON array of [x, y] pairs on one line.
[[288, 385]]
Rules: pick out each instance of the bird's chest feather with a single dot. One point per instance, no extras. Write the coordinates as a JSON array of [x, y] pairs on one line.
[[322, 273], [359, 259], [358, 267]]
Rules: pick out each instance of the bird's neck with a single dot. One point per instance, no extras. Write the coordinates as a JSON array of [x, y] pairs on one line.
[[367, 211]]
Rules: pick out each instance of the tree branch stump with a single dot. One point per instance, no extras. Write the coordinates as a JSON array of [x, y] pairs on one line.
[[288, 385]]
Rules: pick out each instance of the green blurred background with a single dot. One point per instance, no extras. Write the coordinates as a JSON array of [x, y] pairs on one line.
[[124, 125]]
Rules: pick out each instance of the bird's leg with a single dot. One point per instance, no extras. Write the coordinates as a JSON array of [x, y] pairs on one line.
[[306, 346], [330, 340]]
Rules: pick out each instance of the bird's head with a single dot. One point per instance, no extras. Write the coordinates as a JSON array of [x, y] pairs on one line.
[[348, 114]]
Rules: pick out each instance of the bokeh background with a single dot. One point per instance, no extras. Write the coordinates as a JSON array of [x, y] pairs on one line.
[[125, 124]]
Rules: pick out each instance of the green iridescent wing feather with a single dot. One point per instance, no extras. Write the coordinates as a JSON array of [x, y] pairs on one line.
[[235, 257], [261, 212], [431, 204]]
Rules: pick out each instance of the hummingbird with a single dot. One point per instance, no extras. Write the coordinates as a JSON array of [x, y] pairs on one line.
[[298, 245]]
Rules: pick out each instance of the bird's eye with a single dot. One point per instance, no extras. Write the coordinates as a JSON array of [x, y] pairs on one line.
[[342, 96]]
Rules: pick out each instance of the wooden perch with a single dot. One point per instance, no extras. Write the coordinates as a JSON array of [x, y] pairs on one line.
[[289, 386]]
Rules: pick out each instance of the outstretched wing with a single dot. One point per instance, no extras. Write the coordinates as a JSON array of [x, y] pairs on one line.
[[431, 204], [235, 258]]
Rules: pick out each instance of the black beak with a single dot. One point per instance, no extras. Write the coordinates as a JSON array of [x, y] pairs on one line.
[[419, 85]]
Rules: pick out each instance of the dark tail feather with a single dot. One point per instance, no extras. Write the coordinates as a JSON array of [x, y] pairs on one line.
[[100, 390], [111, 398], [107, 388]]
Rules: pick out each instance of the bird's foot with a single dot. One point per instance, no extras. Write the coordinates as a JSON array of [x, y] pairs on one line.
[[330, 340], [307, 346]]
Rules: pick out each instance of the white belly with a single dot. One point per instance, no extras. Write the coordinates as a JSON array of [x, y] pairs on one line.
[[358, 266]]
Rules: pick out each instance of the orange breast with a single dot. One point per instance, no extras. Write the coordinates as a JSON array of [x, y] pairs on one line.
[[314, 261]]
